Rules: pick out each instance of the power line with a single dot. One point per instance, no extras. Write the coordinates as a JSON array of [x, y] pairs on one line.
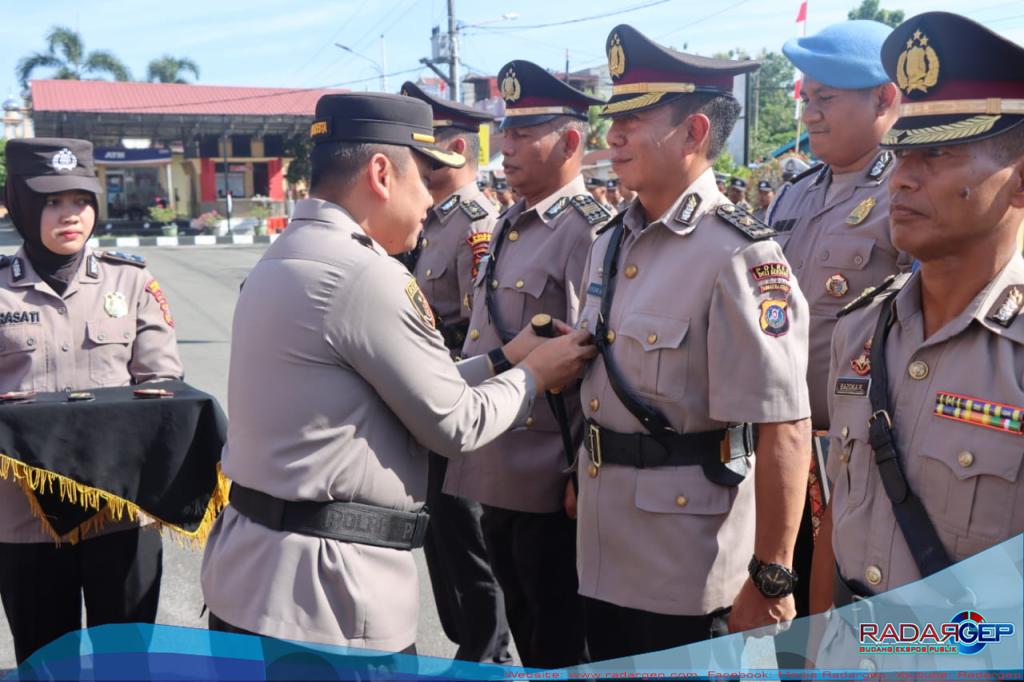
[[705, 18], [603, 15], [330, 41]]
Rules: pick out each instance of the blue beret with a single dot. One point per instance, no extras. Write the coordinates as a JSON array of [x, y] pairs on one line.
[[846, 55]]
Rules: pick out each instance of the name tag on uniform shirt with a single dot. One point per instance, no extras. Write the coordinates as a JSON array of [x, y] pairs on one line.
[[854, 387], [595, 289]]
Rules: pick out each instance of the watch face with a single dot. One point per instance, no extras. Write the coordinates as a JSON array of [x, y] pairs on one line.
[[775, 581]]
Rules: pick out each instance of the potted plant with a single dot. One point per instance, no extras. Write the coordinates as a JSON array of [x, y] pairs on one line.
[[165, 215], [260, 211], [207, 222]]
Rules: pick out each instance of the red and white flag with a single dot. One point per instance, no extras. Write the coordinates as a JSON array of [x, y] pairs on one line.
[[801, 18]]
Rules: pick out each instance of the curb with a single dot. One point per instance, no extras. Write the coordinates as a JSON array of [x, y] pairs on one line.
[[200, 240]]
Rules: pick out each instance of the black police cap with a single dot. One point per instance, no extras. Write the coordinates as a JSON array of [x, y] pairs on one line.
[[960, 81], [376, 117], [49, 164], [534, 96], [448, 114]]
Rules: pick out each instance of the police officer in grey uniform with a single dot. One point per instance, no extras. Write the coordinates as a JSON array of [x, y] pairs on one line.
[[456, 235], [703, 333], [765, 196], [535, 266], [737, 193], [328, 486], [833, 221], [73, 319], [940, 404]]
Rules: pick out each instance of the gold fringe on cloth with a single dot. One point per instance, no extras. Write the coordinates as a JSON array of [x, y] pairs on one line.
[[41, 481]]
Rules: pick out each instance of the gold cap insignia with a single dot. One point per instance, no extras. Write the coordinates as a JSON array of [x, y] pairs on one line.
[[510, 87], [918, 66], [115, 304], [616, 58], [860, 214]]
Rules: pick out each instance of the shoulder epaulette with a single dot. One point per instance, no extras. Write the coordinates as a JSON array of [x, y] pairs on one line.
[[611, 223], [891, 284], [745, 222], [127, 258], [591, 211], [472, 209], [816, 168], [4, 261], [367, 242]]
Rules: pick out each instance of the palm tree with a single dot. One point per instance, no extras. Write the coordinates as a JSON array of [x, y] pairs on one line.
[[66, 54], [168, 69]]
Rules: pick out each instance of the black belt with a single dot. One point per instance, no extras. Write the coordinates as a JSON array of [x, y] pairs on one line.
[[643, 451], [345, 521]]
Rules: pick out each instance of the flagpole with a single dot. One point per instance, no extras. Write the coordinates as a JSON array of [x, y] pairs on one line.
[[801, 19]]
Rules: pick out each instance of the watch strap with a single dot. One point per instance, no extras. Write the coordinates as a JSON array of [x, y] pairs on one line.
[[499, 360]]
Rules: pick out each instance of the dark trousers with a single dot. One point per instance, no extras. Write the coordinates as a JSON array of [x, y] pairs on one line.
[[534, 559], [617, 631], [42, 585], [469, 601]]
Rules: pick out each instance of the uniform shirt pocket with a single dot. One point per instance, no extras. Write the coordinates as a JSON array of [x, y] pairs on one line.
[[433, 285], [20, 355], [850, 458], [109, 346], [652, 355], [846, 252], [681, 490], [525, 292], [969, 478]]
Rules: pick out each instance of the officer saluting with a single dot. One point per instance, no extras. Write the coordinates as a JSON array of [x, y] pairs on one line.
[[535, 266], [456, 235], [328, 485], [702, 332], [926, 369]]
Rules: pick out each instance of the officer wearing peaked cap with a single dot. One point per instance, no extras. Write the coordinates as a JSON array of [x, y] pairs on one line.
[[833, 221], [737, 193], [327, 492], [72, 319], [667, 512], [455, 237], [765, 195], [535, 265], [919, 370]]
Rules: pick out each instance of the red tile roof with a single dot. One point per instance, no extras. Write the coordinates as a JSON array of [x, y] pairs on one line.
[[172, 98]]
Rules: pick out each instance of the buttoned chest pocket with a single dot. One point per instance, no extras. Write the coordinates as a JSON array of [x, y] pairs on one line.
[[22, 357], [681, 490], [434, 283], [850, 458], [844, 261], [651, 352], [109, 346], [524, 292], [969, 478]]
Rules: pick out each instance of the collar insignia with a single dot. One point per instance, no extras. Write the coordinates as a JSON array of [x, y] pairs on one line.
[[557, 207], [92, 267], [1006, 312], [881, 163], [449, 205], [17, 270], [691, 202]]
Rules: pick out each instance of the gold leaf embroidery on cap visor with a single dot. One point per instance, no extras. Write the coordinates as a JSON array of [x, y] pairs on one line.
[[970, 127]]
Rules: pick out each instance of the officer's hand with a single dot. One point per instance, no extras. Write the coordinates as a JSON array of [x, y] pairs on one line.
[[751, 609], [558, 361], [525, 341], [570, 500]]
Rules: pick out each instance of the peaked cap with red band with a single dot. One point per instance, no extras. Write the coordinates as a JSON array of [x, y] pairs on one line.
[[533, 96], [960, 81], [447, 113], [645, 74]]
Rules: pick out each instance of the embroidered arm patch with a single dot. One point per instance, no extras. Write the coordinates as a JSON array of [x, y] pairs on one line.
[[154, 288], [478, 242], [419, 302]]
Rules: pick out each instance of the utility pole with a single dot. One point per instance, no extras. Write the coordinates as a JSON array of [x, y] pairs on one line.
[[453, 46], [383, 66], [227, 187]]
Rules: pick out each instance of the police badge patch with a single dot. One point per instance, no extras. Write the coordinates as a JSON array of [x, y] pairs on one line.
[[419, 302], [64, 160], [774, 317], [115, 304]]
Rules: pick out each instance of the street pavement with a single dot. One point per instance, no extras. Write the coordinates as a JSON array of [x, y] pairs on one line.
[[202, 284]]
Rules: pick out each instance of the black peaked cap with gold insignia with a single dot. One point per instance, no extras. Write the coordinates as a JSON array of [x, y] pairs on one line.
[[447, 113], [376, 117], [52, 164], [959, 80], [533, 96], [645, 74]]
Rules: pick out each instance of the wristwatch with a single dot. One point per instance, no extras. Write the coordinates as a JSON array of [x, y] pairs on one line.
[[773, 580], [499, 361]]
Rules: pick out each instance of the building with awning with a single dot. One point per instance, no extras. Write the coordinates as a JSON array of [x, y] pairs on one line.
[[189, 145]]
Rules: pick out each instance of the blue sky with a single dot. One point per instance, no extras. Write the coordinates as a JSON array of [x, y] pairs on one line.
[[281, 44]]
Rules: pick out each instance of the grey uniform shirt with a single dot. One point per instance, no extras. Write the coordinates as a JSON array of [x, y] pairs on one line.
[[112, 327], [456, 235], [693, 340], [838, 247], [967, 475], [539, 271], [338, 385]]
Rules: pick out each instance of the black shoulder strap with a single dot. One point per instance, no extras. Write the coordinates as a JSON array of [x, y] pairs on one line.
[[922, 539], [492, 262]]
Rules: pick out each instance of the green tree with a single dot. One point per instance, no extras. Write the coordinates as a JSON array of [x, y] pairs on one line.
[[771, 109], [169, 69], [869, 10], [598, 129], [298, 150], [65, 53]]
